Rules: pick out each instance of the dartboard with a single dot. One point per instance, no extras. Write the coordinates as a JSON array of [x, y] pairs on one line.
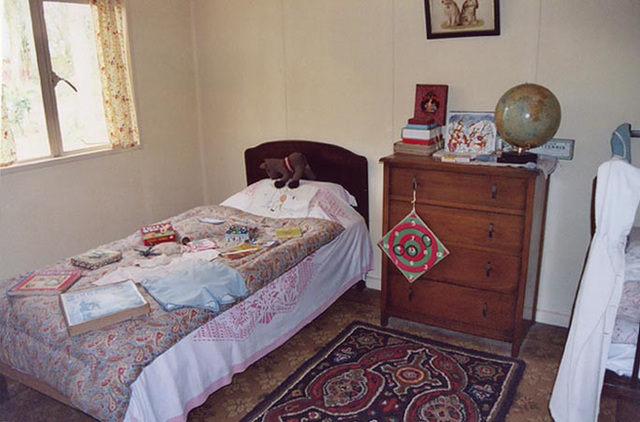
[[413, 247]]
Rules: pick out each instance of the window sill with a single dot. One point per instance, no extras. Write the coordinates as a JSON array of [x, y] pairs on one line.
[[54, 161]]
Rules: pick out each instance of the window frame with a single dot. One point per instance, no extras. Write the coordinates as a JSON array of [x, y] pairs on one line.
[[47, 84], [57, 155]]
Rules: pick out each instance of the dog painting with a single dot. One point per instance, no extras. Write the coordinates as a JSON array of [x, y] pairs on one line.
[[462, 18]]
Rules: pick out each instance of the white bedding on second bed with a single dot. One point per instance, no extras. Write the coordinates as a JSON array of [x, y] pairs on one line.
[[185, 375], [625, 332]]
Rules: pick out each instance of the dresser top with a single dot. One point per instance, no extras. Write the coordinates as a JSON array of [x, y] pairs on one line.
[[430, 163]]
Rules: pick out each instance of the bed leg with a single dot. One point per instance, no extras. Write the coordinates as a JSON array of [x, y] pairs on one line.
[[361, 285], [4, 391]]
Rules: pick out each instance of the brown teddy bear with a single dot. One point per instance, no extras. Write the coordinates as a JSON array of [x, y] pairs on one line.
[[288, 169]]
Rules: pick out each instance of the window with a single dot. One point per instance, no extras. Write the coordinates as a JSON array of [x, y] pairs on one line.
[[59, 94]]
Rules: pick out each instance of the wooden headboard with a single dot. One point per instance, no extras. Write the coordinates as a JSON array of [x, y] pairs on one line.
[[330, 163]]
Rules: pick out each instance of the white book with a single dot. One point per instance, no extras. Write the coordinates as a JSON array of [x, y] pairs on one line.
[[422, 134]]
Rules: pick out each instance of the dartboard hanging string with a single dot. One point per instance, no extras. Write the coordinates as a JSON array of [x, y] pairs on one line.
[[415, 188]]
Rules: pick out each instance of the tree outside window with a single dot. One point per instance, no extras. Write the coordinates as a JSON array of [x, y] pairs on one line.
[[55, 79]]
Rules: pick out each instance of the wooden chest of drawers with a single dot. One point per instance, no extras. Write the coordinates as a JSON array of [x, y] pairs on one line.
[[492, 221]]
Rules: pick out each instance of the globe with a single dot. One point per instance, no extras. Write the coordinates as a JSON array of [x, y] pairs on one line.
[[527, 116]]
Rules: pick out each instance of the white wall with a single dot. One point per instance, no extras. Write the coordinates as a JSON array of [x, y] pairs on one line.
[[213, 77], [55, 211], [344, 71]]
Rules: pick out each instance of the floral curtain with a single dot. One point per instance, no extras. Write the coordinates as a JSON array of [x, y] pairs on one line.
[[117, 92], [7, 143]]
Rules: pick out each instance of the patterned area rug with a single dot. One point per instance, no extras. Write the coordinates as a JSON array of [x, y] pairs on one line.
[[368, 373]]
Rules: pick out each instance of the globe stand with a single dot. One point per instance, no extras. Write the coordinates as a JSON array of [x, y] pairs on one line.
[[518, 157]]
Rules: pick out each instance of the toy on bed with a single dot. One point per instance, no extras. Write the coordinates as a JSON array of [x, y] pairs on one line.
[[241, 234], [288, 169]]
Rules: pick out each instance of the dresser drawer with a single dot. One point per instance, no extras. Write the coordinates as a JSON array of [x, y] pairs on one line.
[[459, 188], [500, 232], [452, 303], [478, 269]]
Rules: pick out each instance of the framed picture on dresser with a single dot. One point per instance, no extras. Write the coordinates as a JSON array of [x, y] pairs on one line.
[[470, 132]]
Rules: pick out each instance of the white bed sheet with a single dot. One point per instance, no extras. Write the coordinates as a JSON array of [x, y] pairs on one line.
[[184, 376], [625, 331]]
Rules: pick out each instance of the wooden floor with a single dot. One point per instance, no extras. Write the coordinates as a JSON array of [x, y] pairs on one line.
[[541, 351]]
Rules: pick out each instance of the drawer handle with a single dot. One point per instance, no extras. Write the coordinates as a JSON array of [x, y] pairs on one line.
[[489, 269], [484, 310], [490, 230], [494, 191], [410, 293]]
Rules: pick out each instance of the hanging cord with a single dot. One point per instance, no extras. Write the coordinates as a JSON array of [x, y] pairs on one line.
[[415, 188]]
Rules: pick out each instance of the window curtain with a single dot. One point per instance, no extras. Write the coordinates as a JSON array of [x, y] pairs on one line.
[[117, 92], [7, 143]]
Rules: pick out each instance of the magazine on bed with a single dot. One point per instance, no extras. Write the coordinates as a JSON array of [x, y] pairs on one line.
[[90, 309], [45, 282]]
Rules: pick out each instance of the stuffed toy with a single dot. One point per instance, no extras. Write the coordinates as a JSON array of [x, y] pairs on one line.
[[288, 169]]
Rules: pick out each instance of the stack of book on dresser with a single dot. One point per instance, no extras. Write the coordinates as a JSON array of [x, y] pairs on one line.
[[420, 139], [425, 131]]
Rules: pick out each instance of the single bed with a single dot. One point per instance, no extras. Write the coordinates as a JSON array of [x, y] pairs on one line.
[[203, 349], [600, 356]]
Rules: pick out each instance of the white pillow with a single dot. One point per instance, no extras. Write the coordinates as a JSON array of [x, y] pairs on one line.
[[263, 198]]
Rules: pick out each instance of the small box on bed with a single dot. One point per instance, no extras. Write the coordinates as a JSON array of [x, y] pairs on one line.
[[90, 309], [96, 258]]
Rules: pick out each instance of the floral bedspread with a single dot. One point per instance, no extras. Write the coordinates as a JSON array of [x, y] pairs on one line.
[[95, 369]]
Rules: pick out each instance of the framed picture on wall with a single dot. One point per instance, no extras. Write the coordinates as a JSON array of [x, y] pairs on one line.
[[462, 18]]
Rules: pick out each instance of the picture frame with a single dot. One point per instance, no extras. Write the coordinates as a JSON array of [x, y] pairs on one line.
[[430, 105], [462, 18], [471, 133]]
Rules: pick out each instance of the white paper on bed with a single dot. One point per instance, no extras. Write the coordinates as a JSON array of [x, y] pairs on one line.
[[240, 336], [576, 393]]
